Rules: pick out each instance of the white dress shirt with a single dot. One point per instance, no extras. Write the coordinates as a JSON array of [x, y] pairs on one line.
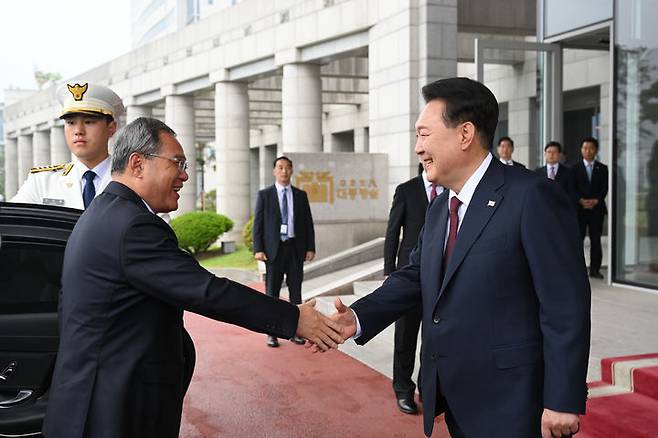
[[428, 187], [102, 171], [291, 210], [555, 167]]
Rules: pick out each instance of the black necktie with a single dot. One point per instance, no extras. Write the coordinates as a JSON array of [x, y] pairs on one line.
[[284, 214], [89, 191]]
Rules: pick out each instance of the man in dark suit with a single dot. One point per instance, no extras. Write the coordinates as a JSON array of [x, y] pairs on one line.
[[504, 350], [283, 236], [505, 150], [553, 169], [407, 215], [590, 187], [125, 284]]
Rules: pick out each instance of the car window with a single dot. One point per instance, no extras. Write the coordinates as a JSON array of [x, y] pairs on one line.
[[29, 277]]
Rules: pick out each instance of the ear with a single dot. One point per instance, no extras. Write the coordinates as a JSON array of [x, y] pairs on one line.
[[467, 135], [135, 166], [112, 127]]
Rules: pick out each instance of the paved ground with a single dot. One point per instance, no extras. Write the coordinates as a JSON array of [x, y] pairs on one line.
[[242, 388]]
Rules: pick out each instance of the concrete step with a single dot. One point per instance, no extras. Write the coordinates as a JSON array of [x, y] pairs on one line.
[[340, 282], [363, 288]]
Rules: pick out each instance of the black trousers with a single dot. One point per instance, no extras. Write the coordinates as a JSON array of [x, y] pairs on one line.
[[288, 261], [404, 353], [592, 221]]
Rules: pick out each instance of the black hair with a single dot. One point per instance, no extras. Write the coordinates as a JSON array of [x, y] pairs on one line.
[[502, 139], [592, 140], [555, 144], [466, 100], [282, 157]]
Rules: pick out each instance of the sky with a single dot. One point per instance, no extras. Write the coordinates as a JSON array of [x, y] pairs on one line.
[[64, 36]]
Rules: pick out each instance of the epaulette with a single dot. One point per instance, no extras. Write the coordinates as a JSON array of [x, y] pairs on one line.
[[51, 168], [67, 168]]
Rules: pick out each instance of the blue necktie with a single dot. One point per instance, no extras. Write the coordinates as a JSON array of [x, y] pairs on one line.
[[89, 191], [284, 213], [589, 172]]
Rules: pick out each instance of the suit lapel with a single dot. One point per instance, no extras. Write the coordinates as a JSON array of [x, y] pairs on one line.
[[422, 194], [433, 243], [477, 216]]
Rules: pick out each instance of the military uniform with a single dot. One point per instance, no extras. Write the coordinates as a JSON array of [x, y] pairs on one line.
[[63, 184]]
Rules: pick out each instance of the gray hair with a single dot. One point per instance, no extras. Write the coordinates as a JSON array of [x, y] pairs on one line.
[[140, 136]]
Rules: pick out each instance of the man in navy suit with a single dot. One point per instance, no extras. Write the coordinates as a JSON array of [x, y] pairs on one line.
[[283, 236], [125, 284], [553, 169], [505, 150], [590, 187], [407, 216], [504, 350]]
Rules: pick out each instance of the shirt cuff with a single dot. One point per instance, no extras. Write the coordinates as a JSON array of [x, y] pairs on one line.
[[358, 325]]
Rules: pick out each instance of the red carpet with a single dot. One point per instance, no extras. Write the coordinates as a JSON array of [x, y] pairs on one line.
[[242, 388], [624, 404]]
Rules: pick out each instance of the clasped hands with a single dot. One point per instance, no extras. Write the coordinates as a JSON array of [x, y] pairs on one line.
[[324, 333]]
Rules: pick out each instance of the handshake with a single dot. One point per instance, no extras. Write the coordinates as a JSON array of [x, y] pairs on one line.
[[325, 332]]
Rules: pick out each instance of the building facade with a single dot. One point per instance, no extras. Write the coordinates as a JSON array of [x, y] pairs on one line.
[[259, 79]]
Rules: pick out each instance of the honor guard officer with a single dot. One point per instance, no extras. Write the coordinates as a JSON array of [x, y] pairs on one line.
[[90, 115]]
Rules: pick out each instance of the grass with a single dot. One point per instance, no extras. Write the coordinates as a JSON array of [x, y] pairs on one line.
[[242, 258]]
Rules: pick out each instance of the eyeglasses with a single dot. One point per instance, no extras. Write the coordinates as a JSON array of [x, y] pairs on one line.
[[181, 164]]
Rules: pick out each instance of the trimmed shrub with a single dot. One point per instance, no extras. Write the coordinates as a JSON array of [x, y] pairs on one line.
[[197, 230], [248, 234]]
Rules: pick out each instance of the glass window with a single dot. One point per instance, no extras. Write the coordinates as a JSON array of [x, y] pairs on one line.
[[635, 213], [29, 277], [562, 16]]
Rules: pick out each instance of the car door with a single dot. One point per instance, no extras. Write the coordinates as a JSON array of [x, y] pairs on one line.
[[32, 242]]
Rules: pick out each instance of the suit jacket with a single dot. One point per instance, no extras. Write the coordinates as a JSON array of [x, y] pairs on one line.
[[267, 222], [503, 335], [407, 214], [125, 284], [562, 177], [582, 187], [57, 187]]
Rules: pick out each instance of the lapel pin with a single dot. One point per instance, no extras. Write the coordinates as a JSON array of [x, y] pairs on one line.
[[491, 204]]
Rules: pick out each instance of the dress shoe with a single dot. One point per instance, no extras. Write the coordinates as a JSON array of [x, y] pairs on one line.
[[596, 274], [407, 406], [297, 340], [272, 341]]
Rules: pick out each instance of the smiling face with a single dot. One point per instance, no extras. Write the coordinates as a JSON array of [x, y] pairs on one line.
[[161, 178], [87, 137], [437, 145]]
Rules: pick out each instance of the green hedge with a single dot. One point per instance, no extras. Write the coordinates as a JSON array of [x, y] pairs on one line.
[[197, 230], [248, 234]]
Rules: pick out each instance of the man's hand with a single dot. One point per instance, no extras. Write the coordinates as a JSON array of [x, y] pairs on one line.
[[260, 256], [317, 328], [310, 255], [344, 317], [558, 424]]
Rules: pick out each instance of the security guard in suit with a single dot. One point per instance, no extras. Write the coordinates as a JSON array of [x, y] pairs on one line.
[[89, 112]]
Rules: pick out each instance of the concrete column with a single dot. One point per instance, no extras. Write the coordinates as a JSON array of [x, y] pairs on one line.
[[135, 111], [301, 108], [361, 135], [232, 154], [11, 167], [25, 157], [413, 44], [179, 116], [521, 128], [59, 151], [41, 147]]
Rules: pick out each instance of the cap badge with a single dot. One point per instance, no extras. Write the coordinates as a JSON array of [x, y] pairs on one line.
[[78, 91]]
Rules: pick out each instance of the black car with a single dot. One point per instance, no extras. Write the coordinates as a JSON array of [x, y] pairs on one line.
[[32, 242]]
